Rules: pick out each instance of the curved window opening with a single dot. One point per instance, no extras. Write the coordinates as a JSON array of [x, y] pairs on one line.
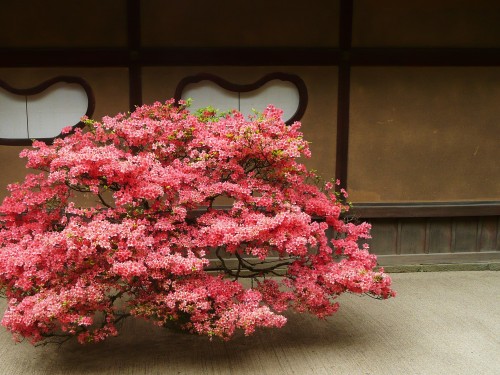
[[285, 91], [43, 111]]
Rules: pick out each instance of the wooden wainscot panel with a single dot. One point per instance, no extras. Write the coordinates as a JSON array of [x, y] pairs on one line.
[[488, 233], [440, 235], [465, 234], [384, 236], [412, 237]]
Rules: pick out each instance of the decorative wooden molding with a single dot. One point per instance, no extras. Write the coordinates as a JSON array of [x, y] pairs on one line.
[[234, 87], [39, 89]]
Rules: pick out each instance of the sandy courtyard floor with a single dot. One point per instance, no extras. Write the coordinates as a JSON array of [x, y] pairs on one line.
[[440, 323]]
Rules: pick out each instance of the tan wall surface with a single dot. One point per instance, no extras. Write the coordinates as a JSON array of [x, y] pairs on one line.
[[426, 23], [240, 23], [63, 23], [110, 87], [12, 168], [417, 134], [424, 134], [318, 123], [111, 90]]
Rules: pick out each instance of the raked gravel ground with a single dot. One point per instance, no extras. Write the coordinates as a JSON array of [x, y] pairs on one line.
[[440, 323]]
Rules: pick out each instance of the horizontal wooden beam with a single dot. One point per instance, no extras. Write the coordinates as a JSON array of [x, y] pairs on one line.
[[441, 258], [248, 56], [425, 209], [425, 56], [408, 210], [12, 57], [100, 57], [253, 56]]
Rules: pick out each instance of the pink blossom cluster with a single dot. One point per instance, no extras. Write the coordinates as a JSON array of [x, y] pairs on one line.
[[121, 219]]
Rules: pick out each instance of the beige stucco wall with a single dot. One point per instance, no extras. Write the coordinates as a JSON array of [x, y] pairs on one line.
[[424, 134], [416, 134], [318, 123], [110, 87]]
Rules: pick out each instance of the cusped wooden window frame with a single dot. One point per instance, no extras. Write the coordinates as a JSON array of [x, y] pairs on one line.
[[234, 87], [41, 88]]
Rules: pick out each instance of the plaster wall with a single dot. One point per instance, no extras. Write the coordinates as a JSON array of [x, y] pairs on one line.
[[424, 134], [110, 87]]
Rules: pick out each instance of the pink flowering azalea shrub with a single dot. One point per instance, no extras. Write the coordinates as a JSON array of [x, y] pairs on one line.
[[149, 240]]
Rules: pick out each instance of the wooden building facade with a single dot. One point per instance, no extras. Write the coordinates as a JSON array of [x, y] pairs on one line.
[[402, 99]]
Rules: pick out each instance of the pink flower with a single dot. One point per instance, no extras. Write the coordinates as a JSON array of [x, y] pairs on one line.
[[123, 219]]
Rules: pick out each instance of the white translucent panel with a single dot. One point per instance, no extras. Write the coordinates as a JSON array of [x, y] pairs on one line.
[[13, 122], [281, 94], [59, 106], [207, 93]]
